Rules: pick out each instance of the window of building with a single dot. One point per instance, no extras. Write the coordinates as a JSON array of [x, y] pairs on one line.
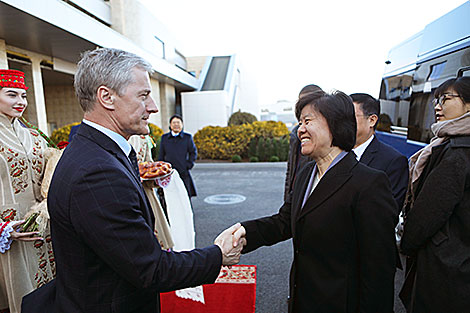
[[159, 47]]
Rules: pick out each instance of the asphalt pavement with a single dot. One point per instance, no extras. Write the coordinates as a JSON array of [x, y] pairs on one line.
[[262, 184]]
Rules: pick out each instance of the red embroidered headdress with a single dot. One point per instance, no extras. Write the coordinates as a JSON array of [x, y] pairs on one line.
[[12, 79]]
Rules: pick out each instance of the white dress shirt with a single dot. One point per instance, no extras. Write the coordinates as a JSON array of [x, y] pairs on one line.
[[359, 151]]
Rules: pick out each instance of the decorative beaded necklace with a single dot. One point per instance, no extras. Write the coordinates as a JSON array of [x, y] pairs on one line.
[[50, 143]]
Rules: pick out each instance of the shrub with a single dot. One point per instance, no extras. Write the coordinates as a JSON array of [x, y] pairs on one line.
[[283, 149], [253, 148], [155, 132], [156, 148], [62, 134], [274, 158], [215, 142], [240, 118], [276, 142], [262, 149], [254, 159], [270, 129], [236, 158], [269, 147]]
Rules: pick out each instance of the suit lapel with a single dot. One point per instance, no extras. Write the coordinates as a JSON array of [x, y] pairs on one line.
[[112, 147], [109, 145], [370, 152], [333, 180], [298, 198]]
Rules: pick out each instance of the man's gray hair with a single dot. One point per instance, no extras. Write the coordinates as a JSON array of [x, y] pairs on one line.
[[105, 67]]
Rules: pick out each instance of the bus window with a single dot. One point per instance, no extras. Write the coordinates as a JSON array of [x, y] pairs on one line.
[[421, 117], [464, 71], [395, 94]]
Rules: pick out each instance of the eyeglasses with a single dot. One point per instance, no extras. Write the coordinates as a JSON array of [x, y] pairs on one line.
[[442, 99]]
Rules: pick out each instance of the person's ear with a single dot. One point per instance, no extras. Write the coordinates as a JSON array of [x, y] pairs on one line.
[[373, 119], [105, 97]]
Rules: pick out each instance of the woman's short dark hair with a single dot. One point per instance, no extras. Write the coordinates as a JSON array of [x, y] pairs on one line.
[[460, 85], [338, 110], [176, 116]]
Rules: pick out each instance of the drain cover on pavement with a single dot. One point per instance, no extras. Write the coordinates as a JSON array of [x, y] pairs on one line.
[[225, 199]]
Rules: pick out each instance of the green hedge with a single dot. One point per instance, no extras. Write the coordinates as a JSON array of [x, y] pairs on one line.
[[221, 143]]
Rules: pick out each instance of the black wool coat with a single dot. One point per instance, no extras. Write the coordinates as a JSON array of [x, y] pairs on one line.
[[181, 152], [344, 240], [437, 232]]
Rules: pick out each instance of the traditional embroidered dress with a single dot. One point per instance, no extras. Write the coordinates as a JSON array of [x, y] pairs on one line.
[[180, 234], [180, 213], [144, 154], [26, 265]]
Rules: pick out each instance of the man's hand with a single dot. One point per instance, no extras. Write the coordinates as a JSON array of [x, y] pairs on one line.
[[231, 242]]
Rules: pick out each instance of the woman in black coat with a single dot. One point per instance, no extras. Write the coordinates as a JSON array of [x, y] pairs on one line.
[[178, 148], [341, 216], [436, 233]]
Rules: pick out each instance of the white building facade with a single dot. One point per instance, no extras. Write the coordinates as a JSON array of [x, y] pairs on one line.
[[45, 38]]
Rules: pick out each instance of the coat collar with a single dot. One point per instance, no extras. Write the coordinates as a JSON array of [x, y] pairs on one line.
[[460, 142], [180, 134], [333, 180], [370, 151]]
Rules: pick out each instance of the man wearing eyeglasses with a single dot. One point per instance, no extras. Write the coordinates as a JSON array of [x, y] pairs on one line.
[[373, 153]]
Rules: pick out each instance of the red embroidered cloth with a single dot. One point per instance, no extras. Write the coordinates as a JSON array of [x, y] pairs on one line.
[[234, 291]]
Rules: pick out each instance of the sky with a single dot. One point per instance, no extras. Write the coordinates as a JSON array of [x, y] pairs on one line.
[[285, 45]]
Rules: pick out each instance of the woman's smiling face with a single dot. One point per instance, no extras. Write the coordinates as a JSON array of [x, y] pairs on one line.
[[12, 102], [314, 133]]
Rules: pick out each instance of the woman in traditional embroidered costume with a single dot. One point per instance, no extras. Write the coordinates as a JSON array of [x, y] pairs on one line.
[[144, 154], [29, 262], [178, 233]]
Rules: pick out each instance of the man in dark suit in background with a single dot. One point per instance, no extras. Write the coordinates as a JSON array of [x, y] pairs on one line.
[[108, 258], [177, 147], [296, 160], [370, 151]]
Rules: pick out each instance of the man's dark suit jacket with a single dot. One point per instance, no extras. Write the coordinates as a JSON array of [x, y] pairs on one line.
[[108, 258], [344, 240], [385, 158], [295, 162]]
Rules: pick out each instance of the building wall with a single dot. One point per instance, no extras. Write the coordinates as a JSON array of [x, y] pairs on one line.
[[54, 105], [205, 108], [3, 55], [62, 106], [156, 118], [196, 64], [133, 20], [167, 104]]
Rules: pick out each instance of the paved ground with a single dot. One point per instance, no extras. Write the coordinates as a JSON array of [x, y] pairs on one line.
[[262, 184]]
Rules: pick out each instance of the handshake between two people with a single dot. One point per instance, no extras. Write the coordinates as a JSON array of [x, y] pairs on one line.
[[231, 242]]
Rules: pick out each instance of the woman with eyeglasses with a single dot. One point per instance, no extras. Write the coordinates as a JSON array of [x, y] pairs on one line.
[[436, 235]]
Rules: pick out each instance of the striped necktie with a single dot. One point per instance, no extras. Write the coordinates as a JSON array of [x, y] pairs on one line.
[[133, 159]]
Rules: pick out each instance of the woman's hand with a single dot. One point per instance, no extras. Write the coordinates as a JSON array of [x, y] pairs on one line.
[[29, 236]]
